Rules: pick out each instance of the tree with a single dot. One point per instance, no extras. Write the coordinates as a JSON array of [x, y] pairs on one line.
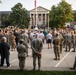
[[19, 16], [61, 14]]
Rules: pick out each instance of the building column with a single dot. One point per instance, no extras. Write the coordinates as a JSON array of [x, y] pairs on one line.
[[30, 21], [42, 18], [34, 18], [48, 21], [45, 19]]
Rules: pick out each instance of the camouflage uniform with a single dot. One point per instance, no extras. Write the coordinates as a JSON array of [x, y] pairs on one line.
[[56, 43], [12, 41], [36, 48], [74, 65], [73, 40], [68, 41], [21, 49], [24, 36], [61, 42], [64, 39]]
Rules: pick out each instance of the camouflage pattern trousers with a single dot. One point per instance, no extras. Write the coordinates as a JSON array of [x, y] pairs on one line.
[[21, 62], [74, 66], [35, 56], [57, 52]]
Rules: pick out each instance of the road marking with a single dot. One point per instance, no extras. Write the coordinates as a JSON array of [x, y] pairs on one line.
[[17, 59], [13, 60], [62, 59]]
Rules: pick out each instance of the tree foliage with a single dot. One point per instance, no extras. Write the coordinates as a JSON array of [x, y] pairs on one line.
[[19, 16], [61, 14]]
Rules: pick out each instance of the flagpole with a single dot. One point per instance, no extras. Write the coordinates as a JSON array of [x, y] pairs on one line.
[[36, 16], [36, 13]]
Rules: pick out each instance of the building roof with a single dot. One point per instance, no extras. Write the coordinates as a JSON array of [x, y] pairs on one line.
[[39, 7], [5, 12]]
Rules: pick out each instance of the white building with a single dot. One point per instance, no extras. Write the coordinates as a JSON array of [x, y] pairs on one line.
[[40, 16]]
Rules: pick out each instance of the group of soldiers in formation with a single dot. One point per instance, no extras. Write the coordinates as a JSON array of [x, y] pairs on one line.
[[18, 39]]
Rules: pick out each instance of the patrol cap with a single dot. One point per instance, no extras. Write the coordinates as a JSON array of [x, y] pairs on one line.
[[36, 35], [21, 40]]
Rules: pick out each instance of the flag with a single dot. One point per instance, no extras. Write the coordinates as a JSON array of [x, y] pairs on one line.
[[35, 3]]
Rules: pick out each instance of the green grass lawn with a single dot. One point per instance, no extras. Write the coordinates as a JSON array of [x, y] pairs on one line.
[[17, 72]]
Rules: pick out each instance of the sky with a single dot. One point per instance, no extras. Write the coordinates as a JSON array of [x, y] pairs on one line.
[[6, 5]]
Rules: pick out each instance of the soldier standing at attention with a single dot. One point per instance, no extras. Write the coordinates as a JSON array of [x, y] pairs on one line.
[[24, 36], [56, 43], [74, 65], [36, 49], [21, 49], [68, 41], [61, 41], [73, 42]]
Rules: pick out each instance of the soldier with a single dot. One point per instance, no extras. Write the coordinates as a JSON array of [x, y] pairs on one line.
[[24, 36], [21, 49], [61, 41], [74, 65], [64, 36], [73, 43], [16, 34], [12, 41], [36, 49], [68, 41], [56, 43]]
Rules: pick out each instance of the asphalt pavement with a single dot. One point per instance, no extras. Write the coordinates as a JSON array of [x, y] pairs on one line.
[[47, 61]]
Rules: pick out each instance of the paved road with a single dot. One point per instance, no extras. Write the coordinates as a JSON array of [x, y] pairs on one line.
[[47, 63]]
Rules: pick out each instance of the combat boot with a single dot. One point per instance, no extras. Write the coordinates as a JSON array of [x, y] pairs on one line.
[[72, 68], [55, 58], [34, 68], [73, 50], [59, 58]]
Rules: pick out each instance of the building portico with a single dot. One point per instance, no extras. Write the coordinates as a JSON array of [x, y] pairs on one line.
[[39, 15]]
